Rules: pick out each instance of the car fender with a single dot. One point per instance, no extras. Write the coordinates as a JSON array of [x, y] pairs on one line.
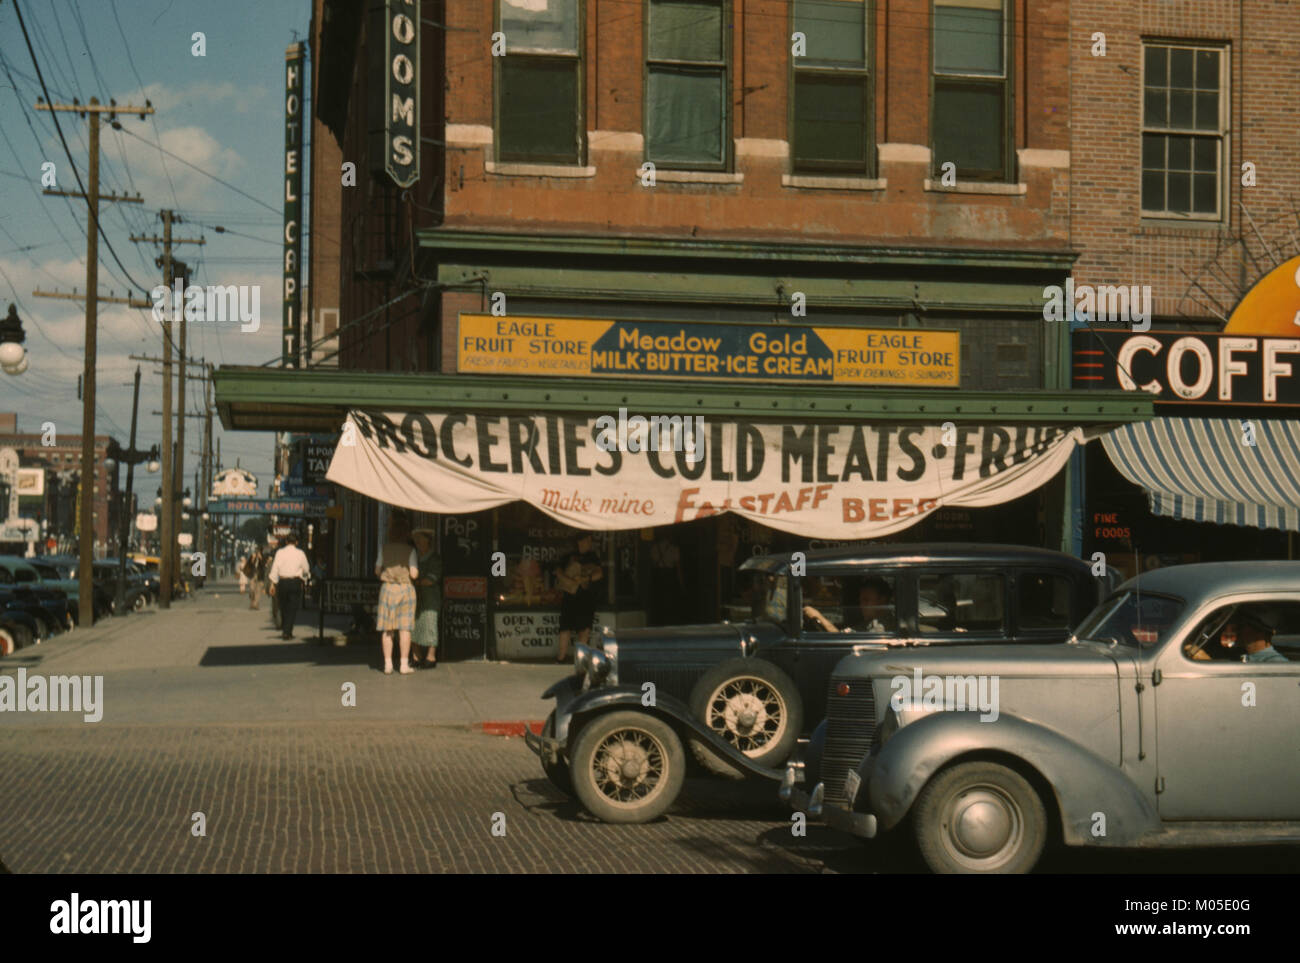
[[570, 715], [1083, 783]]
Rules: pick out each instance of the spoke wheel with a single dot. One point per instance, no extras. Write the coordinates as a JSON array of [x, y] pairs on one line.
[[8, 644], [748, 713], [627, 766]]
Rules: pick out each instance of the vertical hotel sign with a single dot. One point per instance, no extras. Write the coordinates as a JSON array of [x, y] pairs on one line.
[[291, 328], [402, 91]]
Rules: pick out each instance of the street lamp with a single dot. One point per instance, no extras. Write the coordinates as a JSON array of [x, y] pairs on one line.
[[13, 356]]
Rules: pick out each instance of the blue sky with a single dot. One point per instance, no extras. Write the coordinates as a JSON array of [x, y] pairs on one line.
[[222, 113]]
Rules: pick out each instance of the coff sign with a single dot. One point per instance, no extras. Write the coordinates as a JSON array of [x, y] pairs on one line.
[[401, 92], [1191, 369]]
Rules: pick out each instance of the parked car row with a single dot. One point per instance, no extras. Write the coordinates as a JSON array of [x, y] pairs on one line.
[[985, 701]]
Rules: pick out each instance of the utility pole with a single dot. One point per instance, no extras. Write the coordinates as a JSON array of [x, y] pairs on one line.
[[132, 458], [86, 531], [169, 517]]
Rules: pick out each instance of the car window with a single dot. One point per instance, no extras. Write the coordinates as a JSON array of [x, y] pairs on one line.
[[862, 605], [1251, 632], [6, 577], [961, 602], [1043, 601], [26, 575], [1132, 619]]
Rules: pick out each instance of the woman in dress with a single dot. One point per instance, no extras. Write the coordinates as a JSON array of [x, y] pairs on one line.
[[396, 566], [428, 599]]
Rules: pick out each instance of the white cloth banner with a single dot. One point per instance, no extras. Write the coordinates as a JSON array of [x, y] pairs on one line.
[[842, 481]]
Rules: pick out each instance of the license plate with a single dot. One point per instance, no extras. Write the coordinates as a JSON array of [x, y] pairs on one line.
[[852, 783]]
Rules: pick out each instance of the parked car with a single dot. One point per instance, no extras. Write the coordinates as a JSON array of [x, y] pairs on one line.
[[17, 629], [46, 603], [137, 591], [740, 695], [1156, 725], [64, 575]]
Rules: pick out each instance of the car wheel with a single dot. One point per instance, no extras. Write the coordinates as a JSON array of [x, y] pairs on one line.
[[8, 644], [980, 817], [140, 604], [753, 706], [627, 767], [42, 629], [556, 772]]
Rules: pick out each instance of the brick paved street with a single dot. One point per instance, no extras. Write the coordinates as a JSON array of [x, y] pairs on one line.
[[208, 711]]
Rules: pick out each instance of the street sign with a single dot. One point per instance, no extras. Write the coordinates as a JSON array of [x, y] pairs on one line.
[[269, 506]]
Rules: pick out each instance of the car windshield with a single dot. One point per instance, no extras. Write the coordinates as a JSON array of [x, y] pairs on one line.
[[1132, 618]]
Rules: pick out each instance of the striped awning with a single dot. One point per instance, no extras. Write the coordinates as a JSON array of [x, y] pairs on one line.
[[1208, 470]]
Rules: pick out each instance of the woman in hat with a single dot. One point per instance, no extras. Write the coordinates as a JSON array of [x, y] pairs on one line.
[[397, 568], [428, 598]]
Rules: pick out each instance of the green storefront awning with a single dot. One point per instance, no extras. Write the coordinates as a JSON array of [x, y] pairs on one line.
[[317, 400]]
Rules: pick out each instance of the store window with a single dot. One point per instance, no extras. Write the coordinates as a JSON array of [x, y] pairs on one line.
[[970, 120], [1184, 124], [687, 117], [539, 82], [849, 603], [831, 118], [961, 602]]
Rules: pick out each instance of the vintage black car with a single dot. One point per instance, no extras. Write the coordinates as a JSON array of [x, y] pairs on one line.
[[741, 694]]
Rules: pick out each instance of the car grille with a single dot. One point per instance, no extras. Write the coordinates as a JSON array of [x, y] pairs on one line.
[[850, 731]]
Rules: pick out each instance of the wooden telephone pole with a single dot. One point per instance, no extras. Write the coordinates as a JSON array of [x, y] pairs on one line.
[[86, 532], [169, 520]]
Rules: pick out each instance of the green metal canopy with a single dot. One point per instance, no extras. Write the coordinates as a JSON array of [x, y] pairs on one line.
[[316, 400]]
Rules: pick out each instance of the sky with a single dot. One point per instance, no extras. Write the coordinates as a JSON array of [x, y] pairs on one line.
[[220, 118]]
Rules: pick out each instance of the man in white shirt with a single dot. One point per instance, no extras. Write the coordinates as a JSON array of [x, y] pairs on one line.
[[289, 572]]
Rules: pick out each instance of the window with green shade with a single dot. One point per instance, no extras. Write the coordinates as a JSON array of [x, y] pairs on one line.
[[831, 92], [539, 82], [1184, 123], [687, 116], [970, 89]]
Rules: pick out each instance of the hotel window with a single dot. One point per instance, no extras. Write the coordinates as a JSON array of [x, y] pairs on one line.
[[970, 114], [1184, 123], [539, 82], [687, 115], [831, 115]]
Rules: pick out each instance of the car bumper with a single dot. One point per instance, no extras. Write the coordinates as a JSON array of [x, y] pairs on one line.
[[812, 804]]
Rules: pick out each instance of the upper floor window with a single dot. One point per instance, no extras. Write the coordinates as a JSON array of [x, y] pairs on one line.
[[970, 119], [687, 114], [831, 116], [539, 82], [1184, 123]]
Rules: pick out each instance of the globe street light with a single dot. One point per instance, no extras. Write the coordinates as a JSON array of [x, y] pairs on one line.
[[13, 356]]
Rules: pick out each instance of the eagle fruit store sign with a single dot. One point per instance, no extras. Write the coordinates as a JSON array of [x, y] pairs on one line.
[[841, 481], [396, 150]]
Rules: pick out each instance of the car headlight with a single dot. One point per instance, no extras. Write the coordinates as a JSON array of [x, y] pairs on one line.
[[610, 651], [597, 667], [581, 659]]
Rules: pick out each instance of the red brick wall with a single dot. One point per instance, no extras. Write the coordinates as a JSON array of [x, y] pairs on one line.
[[1118, 246], [762, 207]]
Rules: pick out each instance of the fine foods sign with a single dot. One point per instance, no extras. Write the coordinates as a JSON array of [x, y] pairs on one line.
[[845, 481], [572, 347]]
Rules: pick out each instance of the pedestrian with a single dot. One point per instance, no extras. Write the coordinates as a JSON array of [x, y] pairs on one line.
[[578, 574], [289, 571], [397, 566], [243, 579], [428, 599], [255, 569]]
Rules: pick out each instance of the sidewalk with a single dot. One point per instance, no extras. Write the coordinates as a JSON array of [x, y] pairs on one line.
[[212, 660]]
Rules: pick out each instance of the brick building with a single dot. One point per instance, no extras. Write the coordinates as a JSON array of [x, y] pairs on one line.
[[712, 165], [56, 510]]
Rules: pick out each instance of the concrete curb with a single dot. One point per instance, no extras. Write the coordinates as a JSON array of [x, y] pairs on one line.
[[496, 728]]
